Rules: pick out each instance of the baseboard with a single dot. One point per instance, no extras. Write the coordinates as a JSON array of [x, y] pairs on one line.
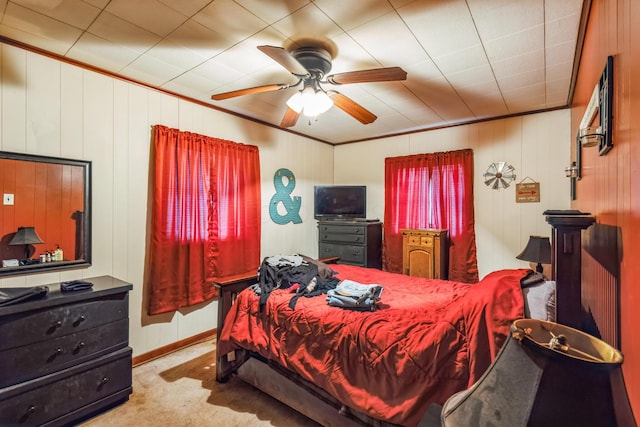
[[170, 348]]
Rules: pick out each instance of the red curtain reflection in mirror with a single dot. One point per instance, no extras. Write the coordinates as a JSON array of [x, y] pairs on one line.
[[206, 216], [433, 190]]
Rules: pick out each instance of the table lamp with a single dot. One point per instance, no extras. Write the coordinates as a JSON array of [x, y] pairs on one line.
[[538, 250], [26, 236]]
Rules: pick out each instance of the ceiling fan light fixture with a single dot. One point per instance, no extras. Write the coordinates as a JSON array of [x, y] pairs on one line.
[[310, 102]]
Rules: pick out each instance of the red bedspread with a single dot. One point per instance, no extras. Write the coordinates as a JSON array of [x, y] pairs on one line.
[[428, 340]]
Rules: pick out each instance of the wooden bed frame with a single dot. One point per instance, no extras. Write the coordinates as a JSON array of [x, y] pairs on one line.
[[318, 405]]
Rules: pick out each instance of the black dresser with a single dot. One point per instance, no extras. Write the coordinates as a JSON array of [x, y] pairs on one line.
[[66, 356], [355, 242]]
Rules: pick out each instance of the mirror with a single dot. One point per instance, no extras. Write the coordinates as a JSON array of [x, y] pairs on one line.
[[45, 217]]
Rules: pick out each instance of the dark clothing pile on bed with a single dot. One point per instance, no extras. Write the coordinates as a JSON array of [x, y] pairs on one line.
[[283, 271]]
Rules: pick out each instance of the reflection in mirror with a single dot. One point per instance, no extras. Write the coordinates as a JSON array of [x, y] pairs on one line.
[[45, 221]]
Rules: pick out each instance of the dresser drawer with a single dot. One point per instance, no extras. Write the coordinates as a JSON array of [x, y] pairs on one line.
[[348, 254], [342, 229], [425, 241], [50, 397], [30, 327], [41, 358], [343, 238]]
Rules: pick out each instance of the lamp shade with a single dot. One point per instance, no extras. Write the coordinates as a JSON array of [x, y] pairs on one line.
[[26, 236], [538, 250], [546, 375]]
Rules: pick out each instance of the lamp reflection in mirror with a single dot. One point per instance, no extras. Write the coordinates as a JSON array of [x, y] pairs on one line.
[[538, 250], [26, 236], [310, 102], [546, 374]]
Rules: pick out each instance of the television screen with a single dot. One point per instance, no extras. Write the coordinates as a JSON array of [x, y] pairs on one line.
[[340, 201]]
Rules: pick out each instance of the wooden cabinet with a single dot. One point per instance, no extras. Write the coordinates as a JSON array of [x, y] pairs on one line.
[[425, 253], [354, 242], [66, 356]]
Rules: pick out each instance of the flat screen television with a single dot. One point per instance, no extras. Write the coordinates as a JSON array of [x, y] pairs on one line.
[[340, 201]]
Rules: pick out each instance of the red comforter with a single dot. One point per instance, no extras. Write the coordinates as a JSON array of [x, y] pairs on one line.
[[428, 339]]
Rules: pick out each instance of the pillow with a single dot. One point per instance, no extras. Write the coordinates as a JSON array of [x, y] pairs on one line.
[[540, 301]]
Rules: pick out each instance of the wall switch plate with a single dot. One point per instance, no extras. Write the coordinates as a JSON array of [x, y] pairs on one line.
[[7, 199]]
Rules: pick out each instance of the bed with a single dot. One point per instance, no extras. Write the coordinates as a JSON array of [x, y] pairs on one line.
[[428, 340]]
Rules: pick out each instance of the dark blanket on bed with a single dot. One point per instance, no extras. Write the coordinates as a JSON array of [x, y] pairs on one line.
[[428, 339]]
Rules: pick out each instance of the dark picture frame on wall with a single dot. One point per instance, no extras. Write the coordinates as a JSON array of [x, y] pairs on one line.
[[590, 135], [606, 107]]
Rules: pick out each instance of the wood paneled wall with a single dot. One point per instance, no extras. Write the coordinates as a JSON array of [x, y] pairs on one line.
[[610, 183], [46, 196]]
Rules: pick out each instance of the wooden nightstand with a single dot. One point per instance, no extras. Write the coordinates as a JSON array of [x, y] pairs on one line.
[[425, 253]]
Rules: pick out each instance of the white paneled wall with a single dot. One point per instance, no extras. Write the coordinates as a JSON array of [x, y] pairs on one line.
[[534, 144], [52, 108]]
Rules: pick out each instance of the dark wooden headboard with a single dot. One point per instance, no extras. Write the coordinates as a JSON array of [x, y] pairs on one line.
[[566, 264]]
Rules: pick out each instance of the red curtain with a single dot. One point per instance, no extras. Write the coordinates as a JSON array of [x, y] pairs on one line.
[[206, 216], [432, 191]]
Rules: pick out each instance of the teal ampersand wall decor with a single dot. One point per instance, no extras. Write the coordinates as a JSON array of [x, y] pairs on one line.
[[285, 182]]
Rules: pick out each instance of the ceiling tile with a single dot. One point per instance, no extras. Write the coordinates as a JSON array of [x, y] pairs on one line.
[[151, 70], [39, 30], [186, 7], [400, 50], [73, 12], [527, 40], [308, 22], [101, 53], [461, 60], [120, 32], [496, 19], [441, 27], [151, 15], [230, 22], [349, 15], [270, 11]]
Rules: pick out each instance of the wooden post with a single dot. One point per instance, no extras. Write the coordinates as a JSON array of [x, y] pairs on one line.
[[566, 264]]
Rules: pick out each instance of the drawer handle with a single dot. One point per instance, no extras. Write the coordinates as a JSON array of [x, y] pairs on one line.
[[79, 347], [31, 409], [80, 320], [58, 324], [58, 352], [104, 380]]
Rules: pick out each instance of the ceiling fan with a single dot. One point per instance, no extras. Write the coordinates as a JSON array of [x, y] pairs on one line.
[[310, 65]]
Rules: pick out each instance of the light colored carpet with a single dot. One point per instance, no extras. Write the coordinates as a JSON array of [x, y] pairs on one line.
[[180, 389]]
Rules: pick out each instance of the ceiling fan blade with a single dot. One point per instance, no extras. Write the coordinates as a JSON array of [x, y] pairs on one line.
[[248, 91], [363, 76], [352, 108], [290, 118], [284, 58]]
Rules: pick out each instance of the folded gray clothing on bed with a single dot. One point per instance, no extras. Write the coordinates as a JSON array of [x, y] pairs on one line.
[[354, 296]]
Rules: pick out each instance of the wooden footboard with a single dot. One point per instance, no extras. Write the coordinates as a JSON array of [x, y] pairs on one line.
[[228, 289]]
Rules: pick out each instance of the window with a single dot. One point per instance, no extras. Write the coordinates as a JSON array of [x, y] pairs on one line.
[[432, 191], [206, 216]]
